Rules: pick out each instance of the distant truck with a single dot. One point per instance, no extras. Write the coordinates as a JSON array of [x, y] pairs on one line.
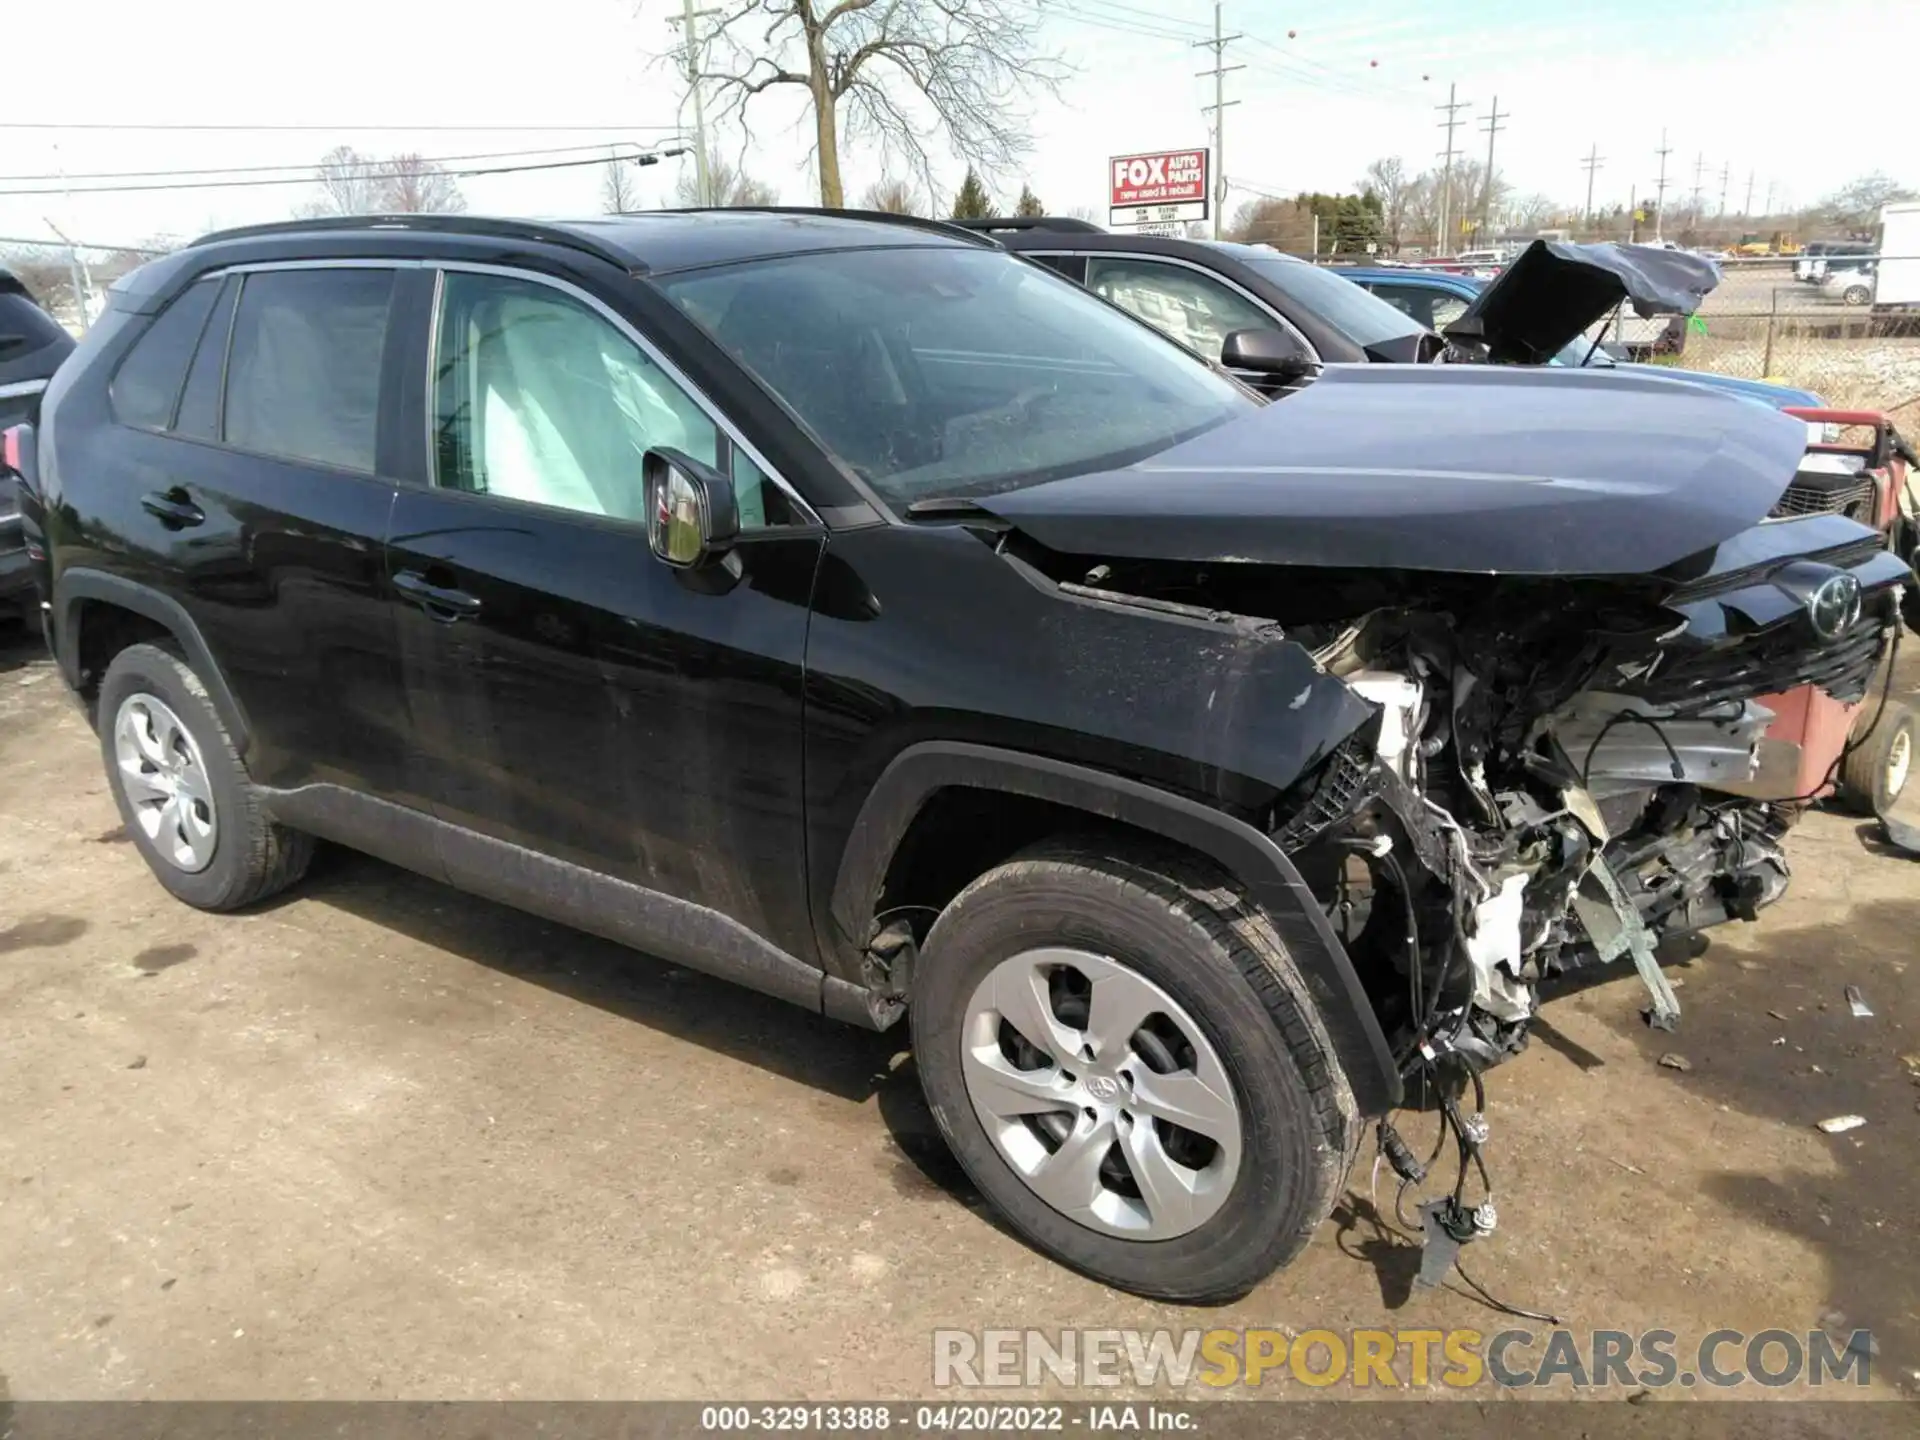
[[1896, 277]]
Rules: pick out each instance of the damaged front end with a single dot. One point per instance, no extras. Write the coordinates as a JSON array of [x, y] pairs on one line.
[[1559, 772], [1567, 773]]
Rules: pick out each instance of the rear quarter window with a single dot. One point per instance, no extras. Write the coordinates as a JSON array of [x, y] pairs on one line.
[[303, 371], [146, 388]]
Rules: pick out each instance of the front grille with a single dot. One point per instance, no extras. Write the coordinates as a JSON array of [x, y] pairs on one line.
[[1767, 664], [1847, 495], [1842, 557]]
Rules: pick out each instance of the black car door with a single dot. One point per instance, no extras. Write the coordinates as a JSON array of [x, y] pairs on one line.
[[257, 499], [574, 697]]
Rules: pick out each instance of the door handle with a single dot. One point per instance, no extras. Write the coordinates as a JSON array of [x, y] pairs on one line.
[[174, 508], [439, 601]]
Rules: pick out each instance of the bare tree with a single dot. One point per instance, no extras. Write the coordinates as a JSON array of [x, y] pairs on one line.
[[1530, 212], [350, 183], [414, 185], [894, 73], [1856, 206], [732, 187], [1387, 178], [619, 192], [355, 184], [895, 197]]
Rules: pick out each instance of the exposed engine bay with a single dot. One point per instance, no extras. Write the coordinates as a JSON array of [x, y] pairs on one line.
[[1561, 773]]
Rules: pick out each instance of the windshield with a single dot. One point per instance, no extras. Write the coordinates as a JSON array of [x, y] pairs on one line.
[[1358, 314], [947, 371]]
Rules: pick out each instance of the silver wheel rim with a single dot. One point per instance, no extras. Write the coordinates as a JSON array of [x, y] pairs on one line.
[[165, 782], [1899, 762], [1066, 1057]]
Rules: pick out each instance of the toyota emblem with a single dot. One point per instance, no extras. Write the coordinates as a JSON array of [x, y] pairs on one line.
[[1834, 607]]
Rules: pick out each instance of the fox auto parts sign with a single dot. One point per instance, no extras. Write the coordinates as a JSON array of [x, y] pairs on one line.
[[1166, 185]]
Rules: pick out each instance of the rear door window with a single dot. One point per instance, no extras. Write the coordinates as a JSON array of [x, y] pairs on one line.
[[146, 388], [1195, 309], [303, 371]]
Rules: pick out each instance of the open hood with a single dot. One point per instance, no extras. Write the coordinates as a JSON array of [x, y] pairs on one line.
[[1434, 467], [1555, 290]]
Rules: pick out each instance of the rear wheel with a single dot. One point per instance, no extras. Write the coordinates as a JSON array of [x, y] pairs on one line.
[[1856, 295], [1876, 770], [1122, 1056], [183, 794]]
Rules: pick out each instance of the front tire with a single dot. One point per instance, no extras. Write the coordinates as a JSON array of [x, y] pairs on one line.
[[1122, 1056], [183, 793], [1875, 772]]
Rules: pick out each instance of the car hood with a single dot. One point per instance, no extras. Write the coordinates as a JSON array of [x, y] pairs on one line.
[[1767, 393], [1555, 290], [1434, 467]]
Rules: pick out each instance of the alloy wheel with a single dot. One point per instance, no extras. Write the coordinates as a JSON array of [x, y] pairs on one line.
[[165, 782], [1899, 763], [1101, 1093]]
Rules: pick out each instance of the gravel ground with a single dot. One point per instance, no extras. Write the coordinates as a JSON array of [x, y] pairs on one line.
[[378, 1139]]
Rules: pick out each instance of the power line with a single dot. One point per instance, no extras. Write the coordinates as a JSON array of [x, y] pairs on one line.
[[169, 126], [457, 173], [305, 166], [78, 245], [1219, 44]]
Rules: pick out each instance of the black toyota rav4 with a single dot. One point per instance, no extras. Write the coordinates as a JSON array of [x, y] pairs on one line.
[[852, 609]]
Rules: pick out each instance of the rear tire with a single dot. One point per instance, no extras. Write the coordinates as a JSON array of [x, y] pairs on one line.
[[1856, 295], [1234, 1032], [1875, 773], [164, 745]]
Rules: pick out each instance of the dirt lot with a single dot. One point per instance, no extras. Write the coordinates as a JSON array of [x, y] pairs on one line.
[[381, 1140]]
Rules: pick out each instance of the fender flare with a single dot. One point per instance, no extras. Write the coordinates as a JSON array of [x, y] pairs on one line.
[[1270, 878], [78, 584]]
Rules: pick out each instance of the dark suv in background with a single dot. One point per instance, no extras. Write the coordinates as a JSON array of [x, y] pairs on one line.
[[32, 345], [849, 608], [1199, 292]]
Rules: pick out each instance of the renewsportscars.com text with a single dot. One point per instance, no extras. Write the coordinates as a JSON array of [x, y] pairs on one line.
[[1393, 1359]]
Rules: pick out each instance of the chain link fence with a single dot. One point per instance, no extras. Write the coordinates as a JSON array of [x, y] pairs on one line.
[[1833, 333]]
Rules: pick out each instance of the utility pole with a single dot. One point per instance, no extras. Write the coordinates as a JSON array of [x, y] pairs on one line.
[[1770, 197], [1218, 44], [1453, 107], [1660, 187], [1747, 209], [690, 18], [1699, 165], [1493, 117], [1726, 169], [1592, 163]]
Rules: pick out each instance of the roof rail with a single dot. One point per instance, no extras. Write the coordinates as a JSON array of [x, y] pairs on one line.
[[1069, 223], [885, 217], [530, 230]]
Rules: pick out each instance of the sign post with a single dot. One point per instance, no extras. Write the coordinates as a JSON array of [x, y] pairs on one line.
[[1159, 192]]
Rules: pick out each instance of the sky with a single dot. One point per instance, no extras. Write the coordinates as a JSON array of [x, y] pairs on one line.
[[1744, 86]]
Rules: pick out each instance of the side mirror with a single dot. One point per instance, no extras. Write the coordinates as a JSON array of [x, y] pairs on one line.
[[1273, 354], [692, 517]]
